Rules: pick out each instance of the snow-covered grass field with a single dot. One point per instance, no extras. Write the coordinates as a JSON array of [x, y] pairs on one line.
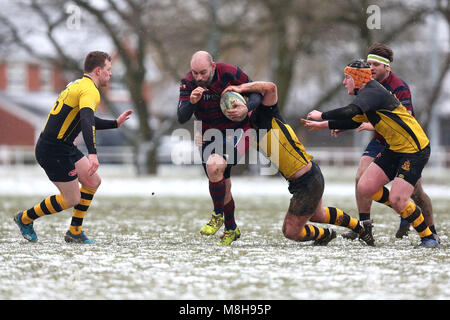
[[149, 246]]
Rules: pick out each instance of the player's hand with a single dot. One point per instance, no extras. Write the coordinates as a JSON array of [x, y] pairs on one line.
[[93, 163], [198, 139], [314, 115], [315, 125], [365, 126], [123, 117], [232, 88], [239, 110], [196, 95], [335, 132]]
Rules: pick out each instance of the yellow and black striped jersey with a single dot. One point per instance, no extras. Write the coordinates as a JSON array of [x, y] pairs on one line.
[[278, 141], [63, 122], [390, 118]]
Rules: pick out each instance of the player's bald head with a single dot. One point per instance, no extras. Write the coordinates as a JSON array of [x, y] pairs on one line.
[[202, 68], [201, 59]]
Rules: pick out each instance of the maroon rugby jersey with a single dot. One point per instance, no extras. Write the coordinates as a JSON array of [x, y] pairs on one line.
[[208, 109], [400, 89]]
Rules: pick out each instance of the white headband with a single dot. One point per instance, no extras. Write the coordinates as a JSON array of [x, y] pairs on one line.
[[378, 58]]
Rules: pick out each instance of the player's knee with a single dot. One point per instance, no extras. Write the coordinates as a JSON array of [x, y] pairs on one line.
[[398, 201], [72, 199], [365, 189], [215, 165], [291, 231]]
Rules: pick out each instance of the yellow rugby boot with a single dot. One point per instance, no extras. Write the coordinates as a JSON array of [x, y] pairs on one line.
[[229, 236], [213, 224]]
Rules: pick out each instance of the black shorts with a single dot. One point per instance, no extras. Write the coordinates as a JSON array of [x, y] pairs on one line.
[[232, 148], [407, 166], [57, 159], [306, 192]]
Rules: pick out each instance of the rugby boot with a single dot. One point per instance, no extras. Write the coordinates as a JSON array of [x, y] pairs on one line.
[[350, 235], [213, 224], [229, 236], [77, 238], [428, 243], [325, 240], [366, 235], [402, 229], [27, 230]]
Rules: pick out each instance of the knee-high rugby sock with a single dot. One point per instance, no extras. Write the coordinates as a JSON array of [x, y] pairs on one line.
[[413, 214], [79, 211], [217, 192], [310, 232], [339, 218], [49, 205], [228, 211], [382, 196]]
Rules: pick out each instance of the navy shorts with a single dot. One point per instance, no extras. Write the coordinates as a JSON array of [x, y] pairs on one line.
[[374, 148], [407, 166], [231, 147], [57, 159]]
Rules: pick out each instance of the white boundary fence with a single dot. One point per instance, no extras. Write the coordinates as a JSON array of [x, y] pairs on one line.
[[331, 156]]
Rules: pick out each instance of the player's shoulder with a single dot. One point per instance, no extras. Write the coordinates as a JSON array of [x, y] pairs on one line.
[[188, 82], [395, 82], [226, 67]]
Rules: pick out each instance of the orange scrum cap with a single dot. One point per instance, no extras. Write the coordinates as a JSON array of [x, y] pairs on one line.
[[359, 70]]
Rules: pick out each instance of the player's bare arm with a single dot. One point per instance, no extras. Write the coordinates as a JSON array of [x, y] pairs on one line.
[[267, 89]]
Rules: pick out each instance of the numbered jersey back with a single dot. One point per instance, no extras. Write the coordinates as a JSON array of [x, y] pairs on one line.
[[63, 122]]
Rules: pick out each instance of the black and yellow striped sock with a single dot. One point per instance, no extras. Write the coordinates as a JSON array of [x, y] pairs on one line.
[[382, 196], [79, 211], [310, 232], [340, 218], [413, 214], [49, 205]]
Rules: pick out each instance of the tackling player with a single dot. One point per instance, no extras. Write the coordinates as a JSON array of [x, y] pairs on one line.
[[405, 155], [306, 183], [380, 56]]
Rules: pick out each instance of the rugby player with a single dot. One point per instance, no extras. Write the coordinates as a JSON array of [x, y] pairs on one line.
[[306, 182], [200, 92], [380, 56], [407, 147], [64, 164]]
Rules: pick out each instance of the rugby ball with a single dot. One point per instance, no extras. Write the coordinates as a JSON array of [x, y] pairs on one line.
[[226, 101]]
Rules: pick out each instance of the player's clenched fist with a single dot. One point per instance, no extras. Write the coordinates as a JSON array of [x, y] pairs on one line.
[[196, 95]]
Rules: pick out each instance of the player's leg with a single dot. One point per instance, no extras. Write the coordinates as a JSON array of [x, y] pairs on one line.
[[89, 186], [362, 203], [215, 168], [400, 193], [335, 216], [409, 171], [424, 202], [61, 171], [306, 202]]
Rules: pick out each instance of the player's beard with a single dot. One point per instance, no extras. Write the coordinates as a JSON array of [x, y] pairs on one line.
[[206, 83]]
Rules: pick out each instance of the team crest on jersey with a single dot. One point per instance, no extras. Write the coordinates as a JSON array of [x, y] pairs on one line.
[[73, 173], [406, 165]]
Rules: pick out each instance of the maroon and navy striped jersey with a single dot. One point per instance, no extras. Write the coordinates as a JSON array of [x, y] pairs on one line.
[[400, 89], [208, 109]]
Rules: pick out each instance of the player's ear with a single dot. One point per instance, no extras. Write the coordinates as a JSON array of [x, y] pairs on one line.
[[97, 70]]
